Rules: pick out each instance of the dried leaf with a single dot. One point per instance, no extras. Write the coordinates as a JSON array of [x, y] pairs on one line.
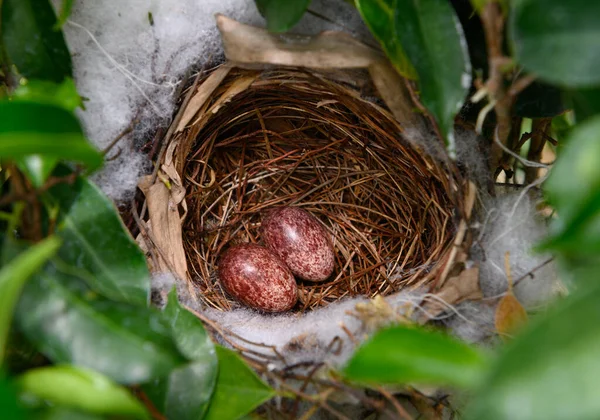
[[248, 46], [165, 223], [510, 316], [202, 94], [465, 286]]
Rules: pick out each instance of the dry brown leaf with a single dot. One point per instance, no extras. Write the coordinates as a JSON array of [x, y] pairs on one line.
[[165, 225], [202, 94], [465, 286], [237, 87], [249, 46], [510, 316], [245, 44]]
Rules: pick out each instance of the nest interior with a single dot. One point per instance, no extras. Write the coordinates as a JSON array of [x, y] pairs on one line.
[[314, 140]]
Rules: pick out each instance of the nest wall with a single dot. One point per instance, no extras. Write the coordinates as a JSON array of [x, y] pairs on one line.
[[323, 142]]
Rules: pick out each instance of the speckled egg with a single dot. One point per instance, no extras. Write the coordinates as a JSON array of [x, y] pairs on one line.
[[300, 240], [258, 278]]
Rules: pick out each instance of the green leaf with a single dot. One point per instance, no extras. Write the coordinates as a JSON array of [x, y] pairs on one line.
[[539, 100], [573, 188], [65, 12], [433, 40], [37, 168], [186, 393], [62, 413], [552, 370], [403, 354], [557, 39], [9, 402], [79, 388], [13, 277], [70, 324], [188, 331], [239, 391], [31, 42], [29, 128], [64, 94], [584, 102], [282, 15], [379, 17], [96, 241]]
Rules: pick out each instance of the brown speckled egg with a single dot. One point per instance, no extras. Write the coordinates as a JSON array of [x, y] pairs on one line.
[[300, 240], [258, 278]]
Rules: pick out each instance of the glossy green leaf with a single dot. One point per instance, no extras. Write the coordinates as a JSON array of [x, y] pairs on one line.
[[557, 40], [188, 331], [65, 12], [403, 354], [282, 15], [239, 391], [539, 100], [29, 128], [433, 40], [379, 17], [62, 94], [186, 393], [37, 168], [573, 188], [96, 241], [81, 389], [13, 277], [71, 324], [31, 41], [552, 370]]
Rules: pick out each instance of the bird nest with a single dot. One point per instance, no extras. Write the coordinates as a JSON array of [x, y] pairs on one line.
[[322, 141]]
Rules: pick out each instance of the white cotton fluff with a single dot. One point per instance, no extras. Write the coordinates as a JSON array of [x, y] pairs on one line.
[[129, 57], [512, 225]]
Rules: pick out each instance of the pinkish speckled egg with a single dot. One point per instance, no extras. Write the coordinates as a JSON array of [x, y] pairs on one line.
[[258, 278], [300, 240]]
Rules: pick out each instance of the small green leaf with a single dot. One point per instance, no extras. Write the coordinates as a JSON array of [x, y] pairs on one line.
[[31, 41], [432, 37], [557, 39], [403, 354], [65, 12], [188, 331], [551, 371], [13, 277], [29, 128], [239, 391], [282, 15], [573, 188], [37, 168], [539, 100], [186, 393], [71, 324], [79, 388], [44, 92], [379, 17], [95, 240]]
